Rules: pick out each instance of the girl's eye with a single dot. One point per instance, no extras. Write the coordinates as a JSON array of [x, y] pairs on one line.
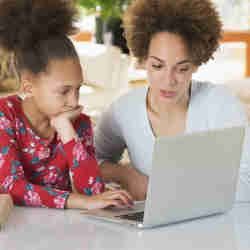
[[156, 66]]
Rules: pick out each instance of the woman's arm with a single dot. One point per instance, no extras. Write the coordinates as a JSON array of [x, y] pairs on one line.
[[110, 145], [131, 179], [108, 140]]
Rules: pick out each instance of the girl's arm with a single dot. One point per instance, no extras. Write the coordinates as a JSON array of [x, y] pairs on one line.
[[86, 178], [12, 175]]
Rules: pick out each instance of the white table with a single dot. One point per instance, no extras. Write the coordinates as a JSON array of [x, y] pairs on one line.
[[38, 228]]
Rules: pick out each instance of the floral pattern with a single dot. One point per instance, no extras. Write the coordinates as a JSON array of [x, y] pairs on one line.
[[1, 160], [59, 201], [52, 175], [43, 153], [8, 183], [79, 153], [4, 123], [32, 199], [35, 171], [96, 188]]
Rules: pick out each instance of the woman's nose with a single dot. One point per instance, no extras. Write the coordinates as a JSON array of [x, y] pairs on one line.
[[169, 78]]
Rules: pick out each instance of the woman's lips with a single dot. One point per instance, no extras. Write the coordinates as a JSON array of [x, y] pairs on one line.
[[168, 94]]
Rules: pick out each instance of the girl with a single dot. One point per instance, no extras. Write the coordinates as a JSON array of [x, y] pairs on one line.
[[44, 138]]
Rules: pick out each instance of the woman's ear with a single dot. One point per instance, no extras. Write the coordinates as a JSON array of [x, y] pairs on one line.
[[195, 68], [142, 64]]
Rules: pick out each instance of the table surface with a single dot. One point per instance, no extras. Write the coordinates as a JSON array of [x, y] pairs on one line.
[[41, 228]]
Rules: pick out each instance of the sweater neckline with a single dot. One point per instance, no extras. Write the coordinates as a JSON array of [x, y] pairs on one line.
[[29, 126], [148, 124]]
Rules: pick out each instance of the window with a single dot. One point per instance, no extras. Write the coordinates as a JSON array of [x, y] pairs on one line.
[[235, 13]]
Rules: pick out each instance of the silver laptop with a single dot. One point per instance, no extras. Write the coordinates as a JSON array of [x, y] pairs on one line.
[[193, 175]]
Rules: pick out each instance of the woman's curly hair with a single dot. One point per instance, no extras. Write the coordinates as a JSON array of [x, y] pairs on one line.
[[36, 31], [196, 21]]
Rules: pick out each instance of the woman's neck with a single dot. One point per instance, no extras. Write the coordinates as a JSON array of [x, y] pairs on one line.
[[162, 109], [38, 121]]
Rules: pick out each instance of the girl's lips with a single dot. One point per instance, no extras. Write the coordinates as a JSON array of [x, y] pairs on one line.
[[168, 94]]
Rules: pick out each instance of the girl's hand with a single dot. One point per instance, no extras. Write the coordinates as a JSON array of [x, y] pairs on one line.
[[62, 123], [118, 198], [69, 115]]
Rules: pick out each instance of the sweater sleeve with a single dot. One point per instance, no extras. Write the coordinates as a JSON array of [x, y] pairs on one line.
[[109, 142], [80, 152], [12, 174], [229, 113]]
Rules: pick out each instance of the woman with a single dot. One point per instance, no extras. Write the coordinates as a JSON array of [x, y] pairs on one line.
[[171, 39], [44, 138]]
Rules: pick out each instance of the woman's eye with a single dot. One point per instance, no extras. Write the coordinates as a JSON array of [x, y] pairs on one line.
[[78, 89], [155, 66], [184, 69], [65, 92]]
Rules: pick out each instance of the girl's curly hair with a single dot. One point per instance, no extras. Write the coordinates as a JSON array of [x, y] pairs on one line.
[[196, 21], [36, 31]]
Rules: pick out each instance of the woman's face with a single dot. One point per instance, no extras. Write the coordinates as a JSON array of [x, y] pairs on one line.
[[57, 90], [169, 68]]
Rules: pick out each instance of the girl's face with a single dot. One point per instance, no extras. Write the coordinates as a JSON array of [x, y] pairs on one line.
[[169, 68], [57, 90]]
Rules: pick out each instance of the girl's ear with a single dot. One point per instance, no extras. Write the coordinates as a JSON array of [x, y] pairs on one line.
[[27, 88]]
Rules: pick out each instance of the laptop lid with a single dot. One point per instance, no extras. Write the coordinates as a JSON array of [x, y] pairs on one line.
[[193, 175]]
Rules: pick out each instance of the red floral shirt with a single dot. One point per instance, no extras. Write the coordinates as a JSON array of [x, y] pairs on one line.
[[35, 171]]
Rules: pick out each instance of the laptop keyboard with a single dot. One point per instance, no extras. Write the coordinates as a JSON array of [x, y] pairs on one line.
[[138, 216]]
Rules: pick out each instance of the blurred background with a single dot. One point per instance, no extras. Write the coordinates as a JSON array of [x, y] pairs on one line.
[[110, 70]]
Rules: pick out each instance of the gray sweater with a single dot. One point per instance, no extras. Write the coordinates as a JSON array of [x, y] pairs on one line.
[[126, 125]]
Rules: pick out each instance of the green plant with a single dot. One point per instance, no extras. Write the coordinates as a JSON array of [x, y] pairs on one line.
[[108, 8]]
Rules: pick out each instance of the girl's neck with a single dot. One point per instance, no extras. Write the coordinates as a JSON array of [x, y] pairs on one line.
[[38, 121]]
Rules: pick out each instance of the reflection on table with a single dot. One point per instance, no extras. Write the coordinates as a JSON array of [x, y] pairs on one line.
[[39, 228]]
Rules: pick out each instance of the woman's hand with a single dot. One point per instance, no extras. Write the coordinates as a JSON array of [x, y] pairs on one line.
[[134, 182], [128, 177], [118, 198]]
